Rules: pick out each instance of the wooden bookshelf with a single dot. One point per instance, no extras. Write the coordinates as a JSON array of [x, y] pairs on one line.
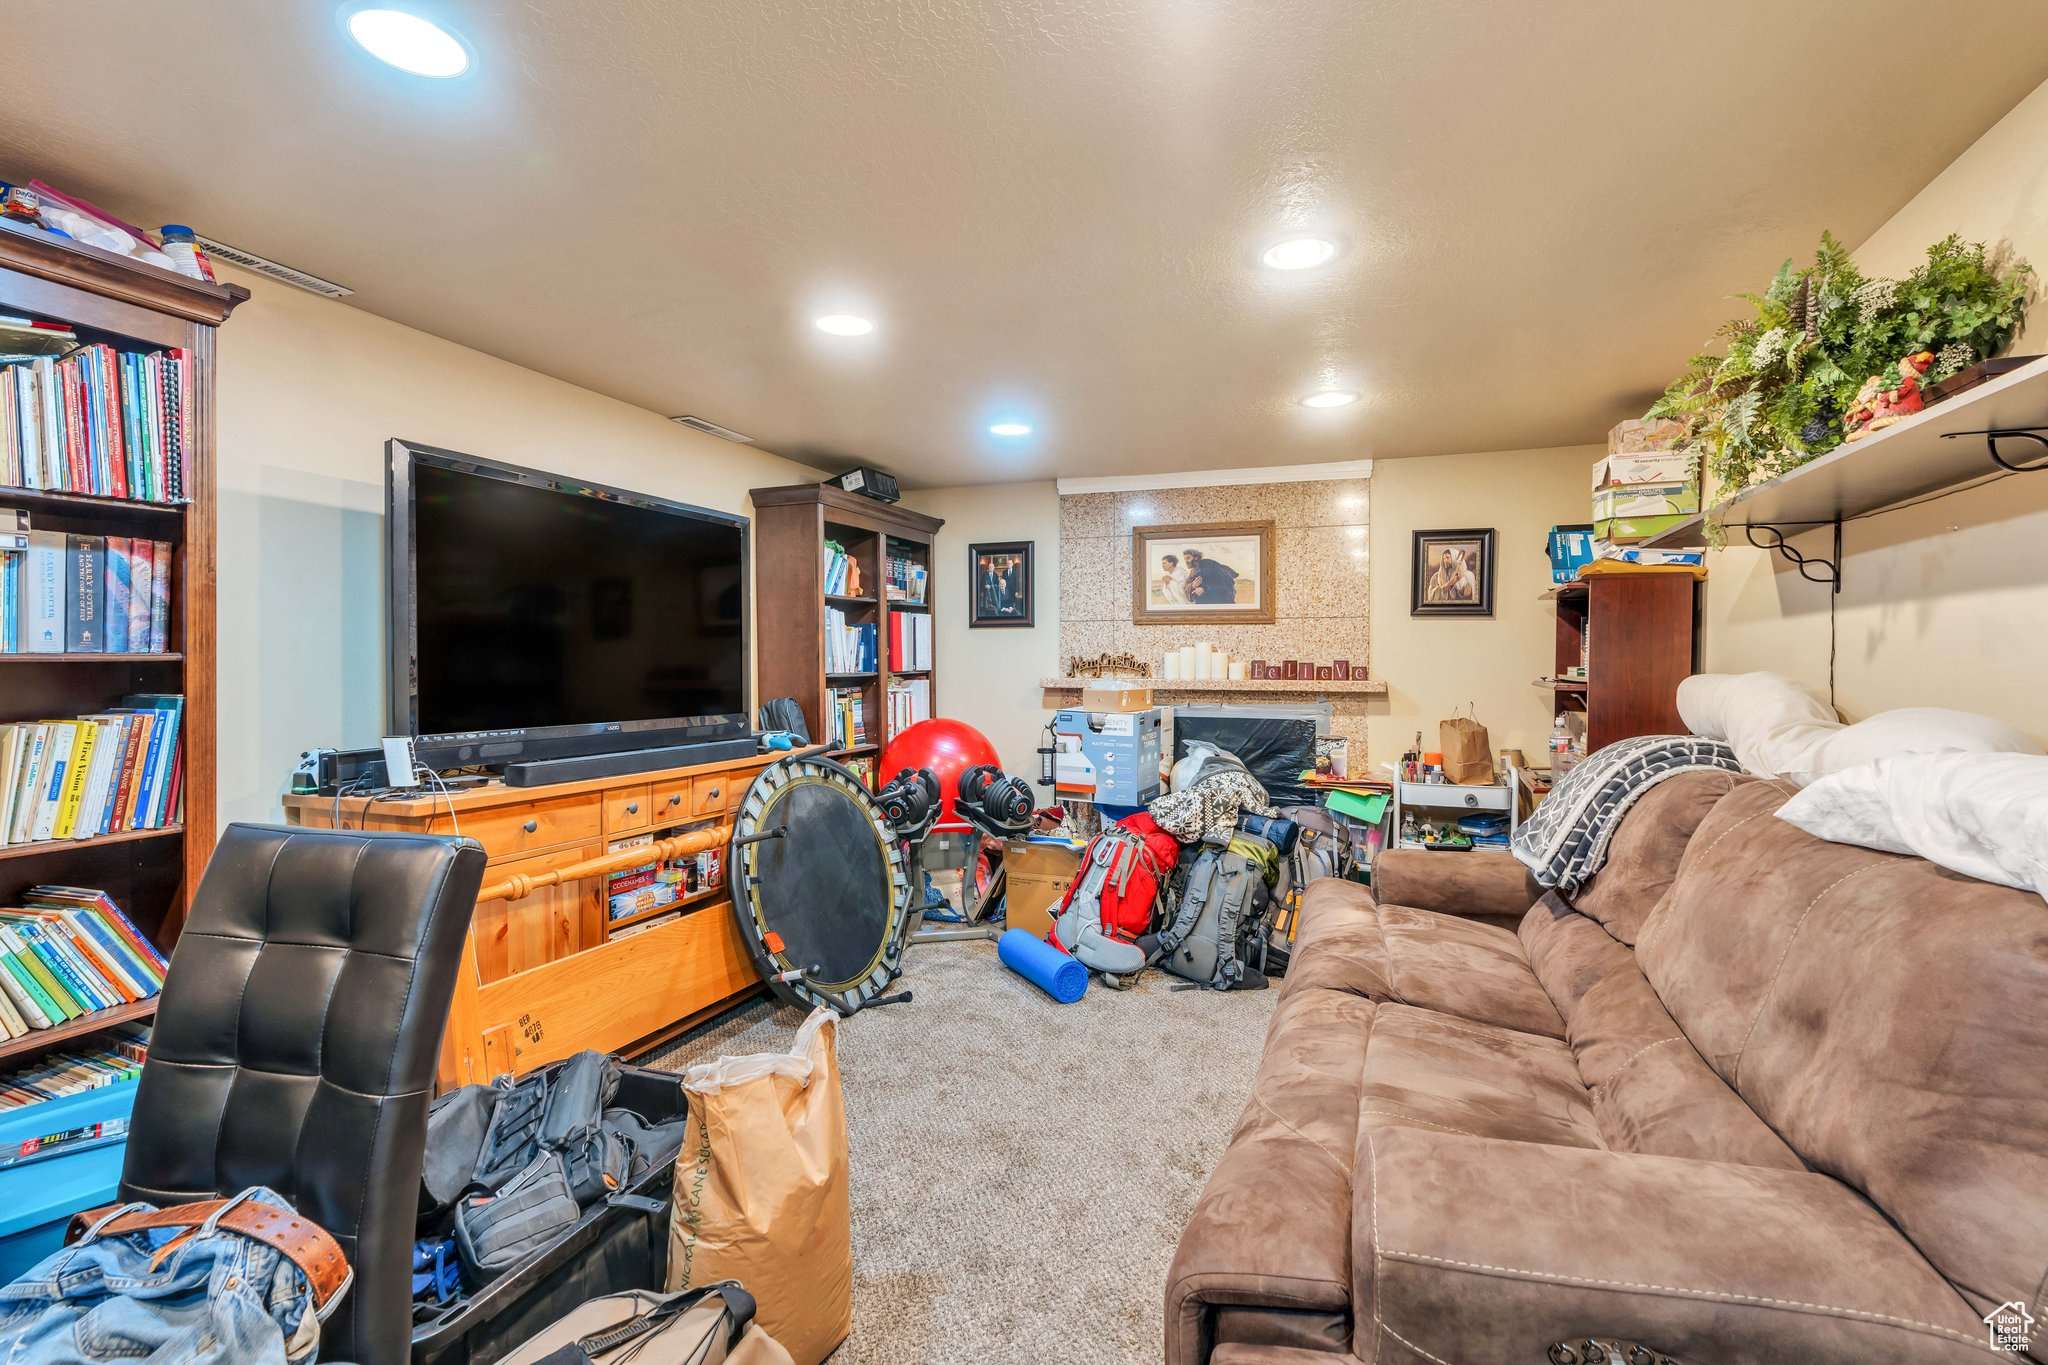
[[791, 527], [150, 874], [1643, 629]]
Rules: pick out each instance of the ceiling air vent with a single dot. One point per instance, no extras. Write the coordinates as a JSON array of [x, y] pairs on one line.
[[713, 429], [298, 279]]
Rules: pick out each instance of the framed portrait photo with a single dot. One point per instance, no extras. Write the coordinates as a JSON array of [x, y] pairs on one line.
[[1219, 572], [1452, 574], [1004, 578]]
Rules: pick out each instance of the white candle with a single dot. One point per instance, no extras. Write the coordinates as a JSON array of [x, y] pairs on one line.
[[1239, 672], [1205, 655], [1187, 661], [1171, 668]]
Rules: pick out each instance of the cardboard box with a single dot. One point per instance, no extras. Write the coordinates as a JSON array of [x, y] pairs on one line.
[[1643, 433], [1108, 694], [1661, 466], [1036, 874], [1635, 554], [1628, 530], [1108, 757], [1646, 500], [1571, 547]]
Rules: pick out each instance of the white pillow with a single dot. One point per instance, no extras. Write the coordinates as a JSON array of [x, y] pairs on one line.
[[1983, 815], [1767, 718], [1908, 730]]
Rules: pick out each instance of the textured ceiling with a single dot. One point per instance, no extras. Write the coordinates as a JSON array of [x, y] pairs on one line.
[[1053, 210]]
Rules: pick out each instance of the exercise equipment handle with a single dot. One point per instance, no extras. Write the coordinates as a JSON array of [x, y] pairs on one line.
[[523, 884]]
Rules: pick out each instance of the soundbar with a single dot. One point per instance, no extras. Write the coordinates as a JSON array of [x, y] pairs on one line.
[[583, 767]]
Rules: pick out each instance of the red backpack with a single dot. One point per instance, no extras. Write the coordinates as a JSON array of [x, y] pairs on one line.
[[1145, 856]]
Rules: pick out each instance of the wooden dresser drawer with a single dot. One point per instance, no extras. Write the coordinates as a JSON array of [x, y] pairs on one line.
[[671, 801], [626, 810], [716, 794], [508, 831]]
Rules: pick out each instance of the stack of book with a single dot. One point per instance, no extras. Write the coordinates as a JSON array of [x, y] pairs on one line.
[[906, 580], [96, 420], [105, 773], [861, 768], [68, 951], [106, 1058], [65, 593], [849, 648], [910, 642], [846, 718], [842, 572], [910, 701]]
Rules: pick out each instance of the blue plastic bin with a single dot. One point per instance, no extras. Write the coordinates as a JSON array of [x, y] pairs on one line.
[[41, 1185]]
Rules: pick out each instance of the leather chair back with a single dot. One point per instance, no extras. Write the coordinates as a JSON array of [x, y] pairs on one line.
[[296, 1041]]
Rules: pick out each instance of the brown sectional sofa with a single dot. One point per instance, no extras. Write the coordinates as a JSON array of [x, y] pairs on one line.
[[1751, 1098]]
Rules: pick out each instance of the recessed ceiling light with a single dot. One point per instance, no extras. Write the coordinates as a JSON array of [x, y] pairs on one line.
[[845, 325], [1299, 253], [1330, 398], [409, 42], [1009, 429]]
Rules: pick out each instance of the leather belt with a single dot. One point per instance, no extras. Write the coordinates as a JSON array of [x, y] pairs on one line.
[[299, 1240]]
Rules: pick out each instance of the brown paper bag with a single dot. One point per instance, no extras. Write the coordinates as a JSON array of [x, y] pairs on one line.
[[760, 1193], [1468, 751]]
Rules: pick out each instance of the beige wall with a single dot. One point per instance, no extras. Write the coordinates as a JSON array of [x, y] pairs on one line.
[[989, 677], [309, 392], [1434, 664], [1941, 604]]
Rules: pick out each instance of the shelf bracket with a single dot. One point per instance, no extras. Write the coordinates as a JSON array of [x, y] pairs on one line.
[[1991, 436], [1812, 568]]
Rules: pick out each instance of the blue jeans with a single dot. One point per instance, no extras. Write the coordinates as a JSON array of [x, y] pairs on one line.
[[217, 1299]]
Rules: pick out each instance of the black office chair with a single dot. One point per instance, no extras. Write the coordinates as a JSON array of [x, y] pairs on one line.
[[295, 1046]]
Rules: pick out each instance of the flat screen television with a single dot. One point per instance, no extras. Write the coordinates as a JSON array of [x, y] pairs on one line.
[[533, 615]]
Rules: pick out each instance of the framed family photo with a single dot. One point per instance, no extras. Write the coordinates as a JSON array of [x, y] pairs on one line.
[[1003, 583], [1218, 572], [1452, 574]]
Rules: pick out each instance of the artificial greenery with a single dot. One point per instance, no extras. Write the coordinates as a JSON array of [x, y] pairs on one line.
[[1775, 399]]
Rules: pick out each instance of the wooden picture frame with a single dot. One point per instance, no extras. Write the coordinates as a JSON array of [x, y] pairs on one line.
[[1002, 583], [1451, 573], [1165, 592]]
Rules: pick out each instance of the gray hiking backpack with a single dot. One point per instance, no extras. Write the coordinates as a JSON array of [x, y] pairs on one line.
[[1222, 903]]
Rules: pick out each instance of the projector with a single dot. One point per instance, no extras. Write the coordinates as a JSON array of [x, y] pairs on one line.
[[869, 483]]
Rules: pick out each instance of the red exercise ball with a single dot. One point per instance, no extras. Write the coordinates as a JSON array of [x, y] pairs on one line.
[[948, 748]]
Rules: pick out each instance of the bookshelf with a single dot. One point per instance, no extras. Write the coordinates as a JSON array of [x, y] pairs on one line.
[[792, 526], [150, 873], [1642, 629]]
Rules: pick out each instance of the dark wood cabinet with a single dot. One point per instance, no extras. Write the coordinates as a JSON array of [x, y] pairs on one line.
[[1637, 634]]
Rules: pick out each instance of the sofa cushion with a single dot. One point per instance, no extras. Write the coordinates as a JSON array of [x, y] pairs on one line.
[[1884, 1016], [1643, 856], [1348, 942], [1474, 1250], [1272, 1227], [1443, 1075]]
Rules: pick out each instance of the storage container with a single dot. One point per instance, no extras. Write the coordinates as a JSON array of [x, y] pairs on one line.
[[56, 1158], [1571, 548]]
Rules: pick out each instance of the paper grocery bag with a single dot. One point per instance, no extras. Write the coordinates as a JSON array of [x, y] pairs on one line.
[[760, 1193], [1468, 752]]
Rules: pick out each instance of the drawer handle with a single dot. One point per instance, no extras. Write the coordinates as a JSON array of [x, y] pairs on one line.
[[1471, 800], [676, 800], [531, 826], [632, 808], [714, 791]]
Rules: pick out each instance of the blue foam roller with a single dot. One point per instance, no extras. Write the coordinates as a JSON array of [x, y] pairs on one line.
[[1043, 965]]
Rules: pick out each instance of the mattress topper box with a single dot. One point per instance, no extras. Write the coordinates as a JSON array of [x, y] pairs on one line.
[[1036, 874], [1108, 757], [1647, 500], [1628, 530], [1655, 466]]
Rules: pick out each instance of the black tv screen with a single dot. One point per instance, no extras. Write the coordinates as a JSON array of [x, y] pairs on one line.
[[540, 605]]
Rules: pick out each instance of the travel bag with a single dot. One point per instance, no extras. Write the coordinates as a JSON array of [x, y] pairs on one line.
[[1222, 903], [704, 1326]]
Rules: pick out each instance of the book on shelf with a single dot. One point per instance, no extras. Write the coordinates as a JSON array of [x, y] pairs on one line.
[[910, 701], [108, 1057], [846, 721], [863, 768], [842, 572], [849, 646], [66, 952], [94, 419], [105, 773], [910, 642], [69, 593], [906, 580]]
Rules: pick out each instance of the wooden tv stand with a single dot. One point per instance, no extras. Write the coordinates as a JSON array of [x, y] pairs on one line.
[[548, 975]]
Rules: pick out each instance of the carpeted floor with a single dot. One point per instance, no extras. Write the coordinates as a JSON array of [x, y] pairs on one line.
[[1021, 1169]]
